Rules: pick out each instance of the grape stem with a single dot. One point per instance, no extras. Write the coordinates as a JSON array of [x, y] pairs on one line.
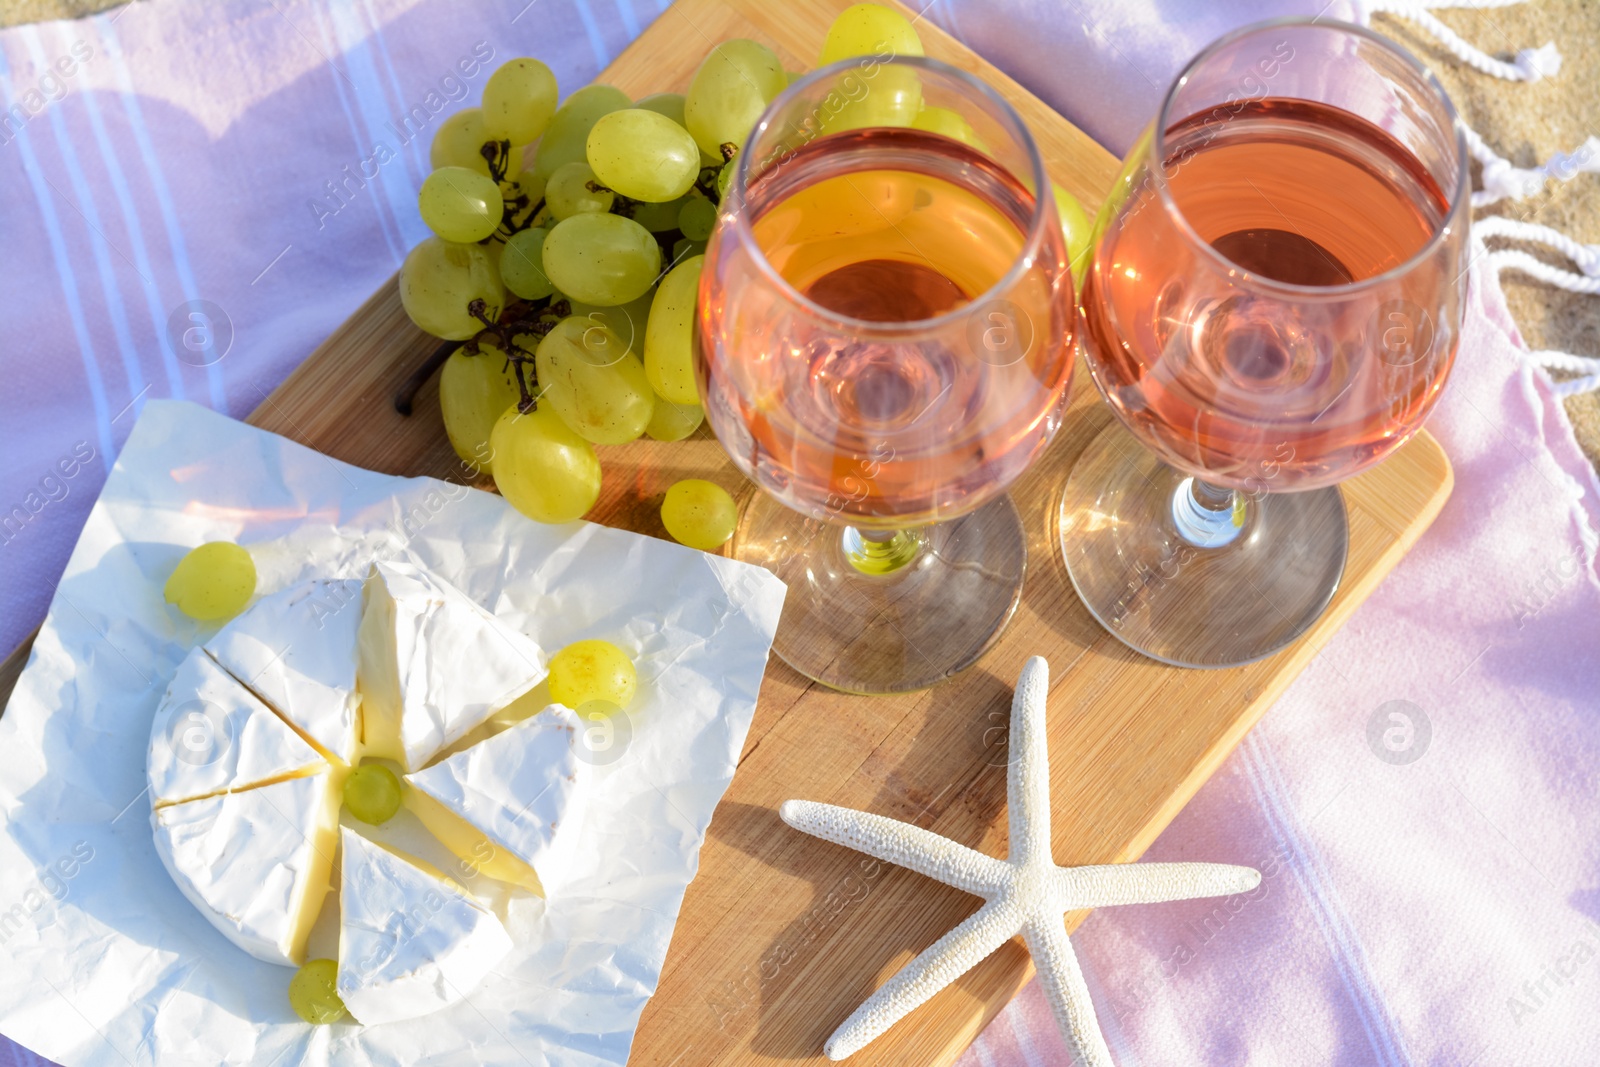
[[521, 359], [480, 311], [497, 154], [510, 228], [521, 318]]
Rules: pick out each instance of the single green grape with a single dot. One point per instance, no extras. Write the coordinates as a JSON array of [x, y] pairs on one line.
[[518, 100], [1078, 229], [568, 193], [732, 87], [592, 670], [593, 382], [893, 98], [668, 104], [725, 176], [601, 258], [522, 264], [683, 248], [674, 422], [473, 392], [459, 143], [669, 336], [567, 138], [314, 992], [372, 793], [213, 581], [699, 514], [697, 218], [460, 205], [658, 218], [440, 279], [541, 467], [643, 155], [894, 94], [869, 30], [951, 124]]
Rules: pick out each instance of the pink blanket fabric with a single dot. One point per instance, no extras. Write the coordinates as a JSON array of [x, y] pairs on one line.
[[1423, 800]]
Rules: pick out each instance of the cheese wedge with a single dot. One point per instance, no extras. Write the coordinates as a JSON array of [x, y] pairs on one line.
[[296, 650], [433, 664], [521, 792], [256, 863], [211, 734], [411, 941]]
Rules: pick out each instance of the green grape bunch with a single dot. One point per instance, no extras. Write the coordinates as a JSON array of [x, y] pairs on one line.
[[563, 266], [552, 221]]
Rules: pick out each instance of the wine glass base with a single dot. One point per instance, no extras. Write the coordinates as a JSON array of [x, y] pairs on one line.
[[1185, 605], [888, 633]]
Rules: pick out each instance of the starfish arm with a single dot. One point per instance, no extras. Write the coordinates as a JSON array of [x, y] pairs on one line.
[[947, 959], [899, 843], [1066, 990], [1028, 778], [1148, 883]]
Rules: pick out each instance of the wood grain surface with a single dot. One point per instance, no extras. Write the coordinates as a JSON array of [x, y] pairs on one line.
[[780, 935]]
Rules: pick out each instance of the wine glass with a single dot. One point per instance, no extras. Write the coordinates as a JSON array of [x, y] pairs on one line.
[[1273, 305], [884, 343]]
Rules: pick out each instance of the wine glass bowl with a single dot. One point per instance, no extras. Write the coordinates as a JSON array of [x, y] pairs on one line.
[[885, 337], [887, 296], [1273, 306], [1234, 334]]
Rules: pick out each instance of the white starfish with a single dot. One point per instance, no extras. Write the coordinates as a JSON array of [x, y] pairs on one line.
[[1025, 893]]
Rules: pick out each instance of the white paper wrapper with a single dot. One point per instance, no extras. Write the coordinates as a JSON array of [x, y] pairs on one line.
[[102, 960]]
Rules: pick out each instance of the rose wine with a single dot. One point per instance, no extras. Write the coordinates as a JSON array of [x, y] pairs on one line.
[[1263, 368], [856, 356]]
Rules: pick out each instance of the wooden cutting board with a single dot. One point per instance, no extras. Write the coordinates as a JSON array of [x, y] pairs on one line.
[[781, 935]]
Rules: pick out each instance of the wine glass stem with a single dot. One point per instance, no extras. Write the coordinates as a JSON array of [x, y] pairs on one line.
[[1206, 515], [881, 551]]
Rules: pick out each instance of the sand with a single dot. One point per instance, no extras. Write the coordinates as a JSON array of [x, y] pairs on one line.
[[1525, 123]]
